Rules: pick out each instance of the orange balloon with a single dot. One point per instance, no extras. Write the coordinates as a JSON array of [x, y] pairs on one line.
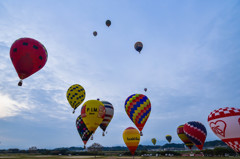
[[131, 137]]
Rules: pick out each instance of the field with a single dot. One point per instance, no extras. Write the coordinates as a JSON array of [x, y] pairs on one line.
[[99, 157]]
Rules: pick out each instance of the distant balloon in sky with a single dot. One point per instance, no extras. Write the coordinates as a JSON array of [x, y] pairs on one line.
[[95, 33], [145, 89], [28, 56], [83, 130], [169, 138], [108, 23], [184, 137], [131, 138], [154, 141], [138, 109], [75, 95], [93, 112], [196, 132], [225, 123], [108, 115], [138, 46]]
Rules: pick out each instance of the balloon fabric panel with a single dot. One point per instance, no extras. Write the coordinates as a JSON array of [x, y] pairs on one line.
[[83, 130]]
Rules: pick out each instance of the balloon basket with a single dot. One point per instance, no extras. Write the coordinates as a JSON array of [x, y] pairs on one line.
[[84, 147], [141, 134], [20, 83], [73, 111], [92, 137], [103, 134]]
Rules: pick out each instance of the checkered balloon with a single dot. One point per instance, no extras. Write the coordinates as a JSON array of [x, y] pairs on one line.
[[225, 123]]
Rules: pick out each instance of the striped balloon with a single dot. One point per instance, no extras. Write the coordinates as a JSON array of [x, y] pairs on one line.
[[108, 115], [196, 132], [138, 108], [184, 137]]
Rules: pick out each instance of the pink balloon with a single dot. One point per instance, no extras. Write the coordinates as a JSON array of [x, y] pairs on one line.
[[225, 123]]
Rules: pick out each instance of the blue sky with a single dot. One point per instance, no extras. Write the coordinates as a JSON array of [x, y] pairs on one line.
[[189, 63]]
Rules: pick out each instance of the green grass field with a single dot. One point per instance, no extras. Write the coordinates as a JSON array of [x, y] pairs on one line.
[[99, 157]]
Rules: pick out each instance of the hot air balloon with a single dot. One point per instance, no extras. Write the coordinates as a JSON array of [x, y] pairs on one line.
[[196, 132], [145, 89], [95, 33], [169, 138], [28, 56], [83, 130], [225, 123], [138, 46], [75, 95], [93, 112], [108, 115], [138, 108], [184, 137], [131, 138], [108, 23], [154, 141]]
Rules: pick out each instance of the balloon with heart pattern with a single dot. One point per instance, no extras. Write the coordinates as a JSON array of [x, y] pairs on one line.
[[225, 123], [196, 132]]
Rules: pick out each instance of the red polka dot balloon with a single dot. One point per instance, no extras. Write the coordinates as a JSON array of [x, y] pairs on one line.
[[28, 56]]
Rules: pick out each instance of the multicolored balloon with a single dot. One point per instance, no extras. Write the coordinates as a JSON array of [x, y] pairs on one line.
[[93, 112], [169, 138], [154, 141], [225, 123], [75, 95], [196, 132], [184, 137], [28, 56], [131, 137], [138, 46], [108, 115], [138, 109], [83, 131]]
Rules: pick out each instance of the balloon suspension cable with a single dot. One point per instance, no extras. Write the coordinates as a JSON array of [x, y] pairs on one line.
[[74, 109], [20, 83], [103, 133], [141, 134]]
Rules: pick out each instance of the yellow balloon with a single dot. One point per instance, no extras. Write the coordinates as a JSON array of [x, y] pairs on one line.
[[93, 112], [75, 95], [131, 137]]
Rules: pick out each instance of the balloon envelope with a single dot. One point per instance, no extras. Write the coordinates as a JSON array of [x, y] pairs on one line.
[[225, 123], [154, 141], [184, 137], [138, 108], [28, 56], [108, 115], [75, 95], [95, 33], [145, 89], [131, 137], [196, 132], [138, 46], [169, 138], [83, 130], [92, 112], [108, 23]]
